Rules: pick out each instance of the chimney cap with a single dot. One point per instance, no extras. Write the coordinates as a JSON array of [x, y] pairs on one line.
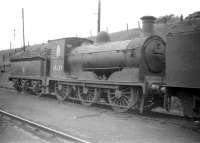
[[102, 37], [148, 18]]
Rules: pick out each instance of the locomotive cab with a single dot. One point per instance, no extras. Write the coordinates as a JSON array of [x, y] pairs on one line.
[[60, 48]]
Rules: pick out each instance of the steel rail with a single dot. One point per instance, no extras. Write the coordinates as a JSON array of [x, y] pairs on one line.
[[44, 128], [10, 88]]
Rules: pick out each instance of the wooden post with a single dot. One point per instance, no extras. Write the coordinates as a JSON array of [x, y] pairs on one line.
[[23, 28], [99, 17]]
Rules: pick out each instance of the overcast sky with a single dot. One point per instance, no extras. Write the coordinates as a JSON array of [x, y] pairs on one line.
[[50, 19]]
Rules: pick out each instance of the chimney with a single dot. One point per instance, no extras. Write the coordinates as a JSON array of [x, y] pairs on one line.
[[148, 24]]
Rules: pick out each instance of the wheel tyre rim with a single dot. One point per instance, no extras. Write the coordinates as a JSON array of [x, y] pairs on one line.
[[92, 96], [129, 101], [60, 94]]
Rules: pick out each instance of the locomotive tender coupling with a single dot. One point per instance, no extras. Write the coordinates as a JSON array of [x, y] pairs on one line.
[[129, 74]]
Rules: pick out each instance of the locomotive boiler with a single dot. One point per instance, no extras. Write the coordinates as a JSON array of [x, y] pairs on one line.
[[122, 74], [105, 58]]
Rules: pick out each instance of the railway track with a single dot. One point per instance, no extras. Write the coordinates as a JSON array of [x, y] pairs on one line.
[[172, 120], [20, 121], [159, 117], [5, 87]]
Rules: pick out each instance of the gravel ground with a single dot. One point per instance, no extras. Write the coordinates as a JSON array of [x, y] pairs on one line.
[[13, 134], [4, 80], [93, 124]]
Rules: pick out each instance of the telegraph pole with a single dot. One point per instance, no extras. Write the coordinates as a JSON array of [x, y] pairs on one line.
[[14, 38], [23, 28], [99, 17], [10, 45], [126, 26]]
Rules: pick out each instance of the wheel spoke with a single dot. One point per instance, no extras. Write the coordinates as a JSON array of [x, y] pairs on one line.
[[126, 99], [123, 98], [90, 97], [37, 88], [73, 94], [112, 97], [62, 92], [121, 102]]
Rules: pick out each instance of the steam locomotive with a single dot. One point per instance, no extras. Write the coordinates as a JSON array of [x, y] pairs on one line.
[[139, 74]]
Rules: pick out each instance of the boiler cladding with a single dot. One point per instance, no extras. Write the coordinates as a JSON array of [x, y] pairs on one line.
[[120, 54]]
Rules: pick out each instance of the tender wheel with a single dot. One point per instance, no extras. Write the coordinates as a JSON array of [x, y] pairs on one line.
[[37, 88], [17, 85], [88, 95], [187, 100], [62, 92], [123, 98], [25, 86], [73, 95]]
